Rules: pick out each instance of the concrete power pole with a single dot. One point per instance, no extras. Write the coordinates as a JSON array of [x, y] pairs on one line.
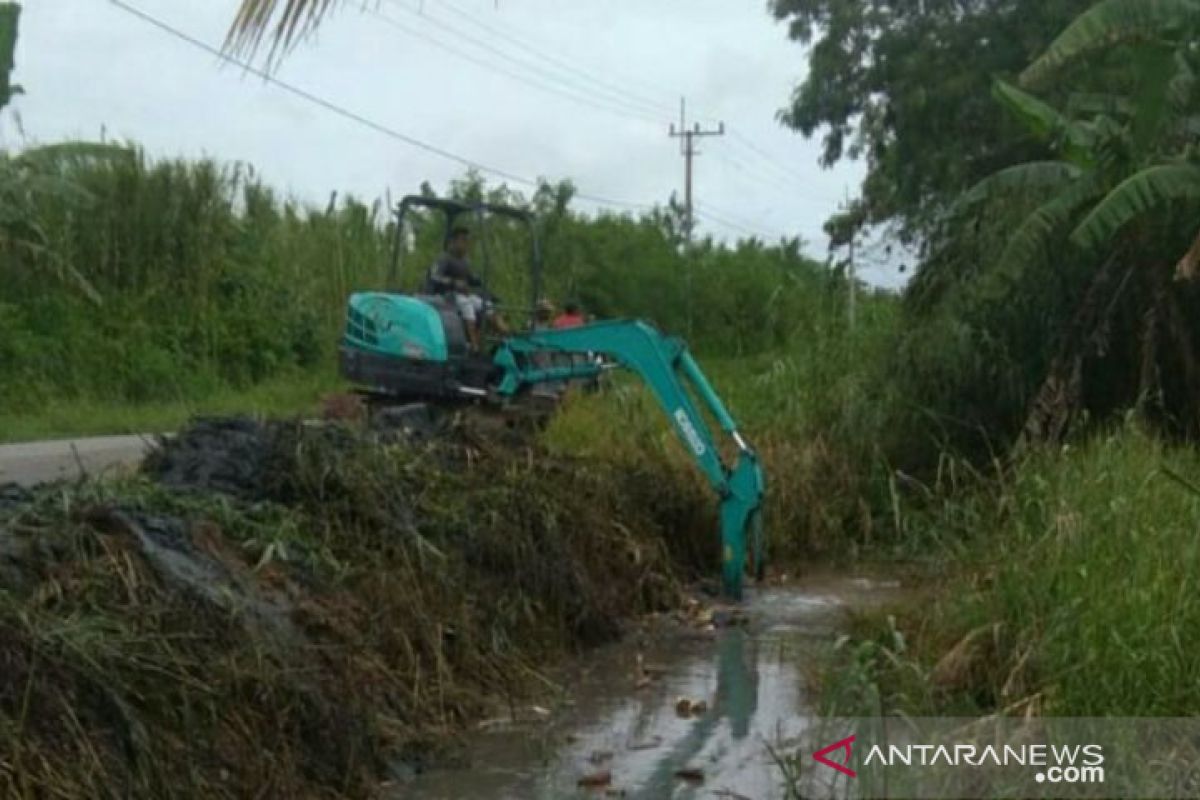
[[853, 282], [688, 137], [851, 266], [687, 147]]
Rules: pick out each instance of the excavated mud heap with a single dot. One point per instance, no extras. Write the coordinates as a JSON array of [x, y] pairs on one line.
[[220, 455], [288, 611]]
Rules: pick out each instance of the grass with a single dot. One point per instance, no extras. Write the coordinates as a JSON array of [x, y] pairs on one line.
[[281, 396], [1070, 590], [807, 414], [344, 617]]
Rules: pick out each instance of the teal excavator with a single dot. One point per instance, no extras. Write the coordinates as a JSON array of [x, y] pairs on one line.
[[405, 349]]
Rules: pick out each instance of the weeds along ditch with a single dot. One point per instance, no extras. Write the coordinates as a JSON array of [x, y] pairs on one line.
[[1066, 588], [304, 610]]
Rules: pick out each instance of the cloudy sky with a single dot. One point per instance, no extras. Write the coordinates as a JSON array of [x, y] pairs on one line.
[[582, 90]]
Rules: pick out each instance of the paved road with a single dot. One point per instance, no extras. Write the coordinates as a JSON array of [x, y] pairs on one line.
[[33, 462]]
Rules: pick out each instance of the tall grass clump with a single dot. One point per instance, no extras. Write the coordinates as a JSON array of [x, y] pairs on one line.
[[203, 278], [1072, 594], [812, 408]]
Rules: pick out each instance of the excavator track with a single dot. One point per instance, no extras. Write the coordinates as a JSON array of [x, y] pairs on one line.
[[420, 420]]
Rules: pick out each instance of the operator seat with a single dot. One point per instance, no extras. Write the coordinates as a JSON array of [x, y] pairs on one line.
[[452, 323]]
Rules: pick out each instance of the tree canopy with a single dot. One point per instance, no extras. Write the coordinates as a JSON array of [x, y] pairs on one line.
[[906, 87]]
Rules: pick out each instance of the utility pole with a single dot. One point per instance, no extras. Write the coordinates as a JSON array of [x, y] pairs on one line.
[[687, 148], [852, 224], [852, 282]]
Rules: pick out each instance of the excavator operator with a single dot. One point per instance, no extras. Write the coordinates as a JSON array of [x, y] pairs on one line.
[[451, 275]]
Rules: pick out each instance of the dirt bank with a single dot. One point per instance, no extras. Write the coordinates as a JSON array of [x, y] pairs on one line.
[[277, 610]]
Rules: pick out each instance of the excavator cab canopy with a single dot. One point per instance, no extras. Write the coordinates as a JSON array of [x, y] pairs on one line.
[[456, 212]]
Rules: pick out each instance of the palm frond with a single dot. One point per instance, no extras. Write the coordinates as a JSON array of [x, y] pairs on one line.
[[1109, 23], [1017, 179], [1155, 67], [1089, 103], [1042, 119], [1135, 197], [1029, 243], [1074, 140], [280, 22], [1183, 84]]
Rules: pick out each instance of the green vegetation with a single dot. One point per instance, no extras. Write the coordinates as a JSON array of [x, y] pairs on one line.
[[199, 281], [1079, 598], [1056, 303], [906, 86], [1020, 424], [299, 611], [805, 412], [177, 282], [284, 395]]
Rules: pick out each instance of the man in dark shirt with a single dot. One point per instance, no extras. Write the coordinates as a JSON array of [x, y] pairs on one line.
[[451, 275]]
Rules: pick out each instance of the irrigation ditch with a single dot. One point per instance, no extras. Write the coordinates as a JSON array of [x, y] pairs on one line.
[[276, 609]]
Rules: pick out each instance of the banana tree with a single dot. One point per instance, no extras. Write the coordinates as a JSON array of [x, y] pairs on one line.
[[10, 13], [1125, 180]]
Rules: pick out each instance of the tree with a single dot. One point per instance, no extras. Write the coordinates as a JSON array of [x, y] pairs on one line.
[[1121, 199], [905, 86], [10, 14]]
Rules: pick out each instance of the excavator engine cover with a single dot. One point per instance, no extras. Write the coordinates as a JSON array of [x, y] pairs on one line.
[[409, 346]]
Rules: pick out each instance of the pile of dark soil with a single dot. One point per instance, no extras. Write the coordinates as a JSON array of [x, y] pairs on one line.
[[222, 455], [279, 610]]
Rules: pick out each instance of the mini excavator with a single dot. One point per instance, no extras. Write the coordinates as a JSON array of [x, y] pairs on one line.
[[404, 349]]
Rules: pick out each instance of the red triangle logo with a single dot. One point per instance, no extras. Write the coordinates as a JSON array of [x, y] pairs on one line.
[[842, 767]]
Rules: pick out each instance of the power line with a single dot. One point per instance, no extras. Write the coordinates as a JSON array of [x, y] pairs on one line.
[[754, 180], [757, 173], [621, 93], [612, 91], [707, 213], [746, 142], [564, 62], [796, 188], [688, 137], [733, 216], [546, 80], [329, 106], [354, 116], [752, 174]]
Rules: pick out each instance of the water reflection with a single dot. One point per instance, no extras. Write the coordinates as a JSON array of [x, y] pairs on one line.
[[751, 678], [734, 706]]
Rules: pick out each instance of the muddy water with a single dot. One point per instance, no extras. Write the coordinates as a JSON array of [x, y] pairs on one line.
[[753, 676]]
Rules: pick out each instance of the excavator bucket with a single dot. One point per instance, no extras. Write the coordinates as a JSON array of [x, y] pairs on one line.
[[741, 524]]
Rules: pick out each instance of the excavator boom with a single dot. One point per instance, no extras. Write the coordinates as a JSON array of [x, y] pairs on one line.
[[667, 367]]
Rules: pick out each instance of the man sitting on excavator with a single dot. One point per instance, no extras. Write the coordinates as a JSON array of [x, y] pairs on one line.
[[451, 275]]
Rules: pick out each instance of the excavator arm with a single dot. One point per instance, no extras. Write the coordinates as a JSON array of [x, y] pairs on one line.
[[667, 367]]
